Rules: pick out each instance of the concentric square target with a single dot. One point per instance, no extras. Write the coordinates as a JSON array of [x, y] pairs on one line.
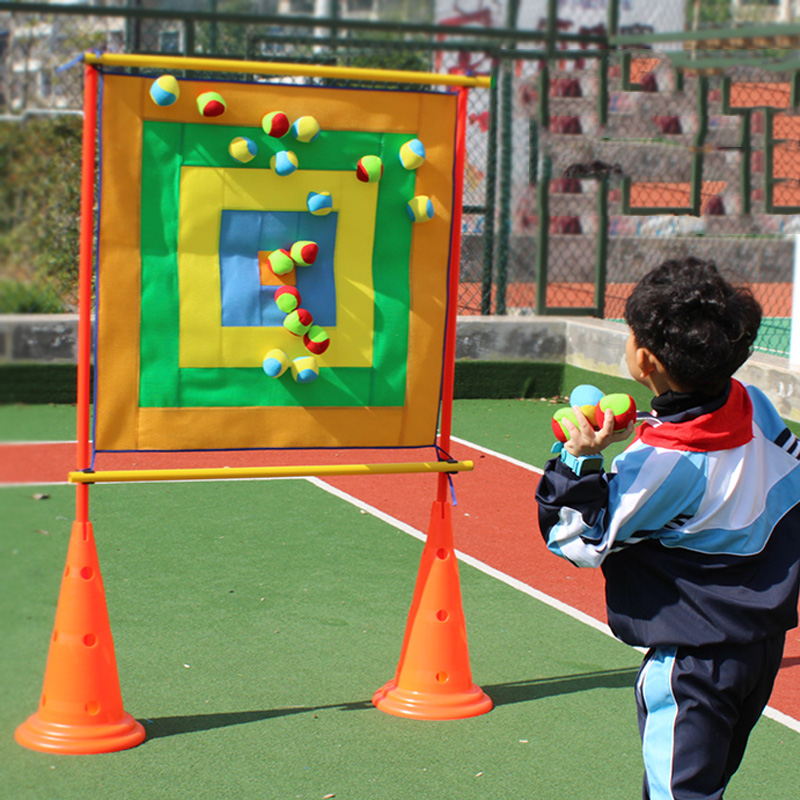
[[183, 317]]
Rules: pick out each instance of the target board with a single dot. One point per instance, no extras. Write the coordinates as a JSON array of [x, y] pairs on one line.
[[272, 264]]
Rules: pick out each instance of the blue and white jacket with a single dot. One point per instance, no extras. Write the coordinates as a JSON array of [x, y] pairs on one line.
[[696, 527]]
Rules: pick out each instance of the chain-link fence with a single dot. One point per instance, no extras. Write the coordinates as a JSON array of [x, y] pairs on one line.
[[610, 141]]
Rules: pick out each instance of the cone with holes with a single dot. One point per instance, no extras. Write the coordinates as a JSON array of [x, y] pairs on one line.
[[433, 679], [81, 711]]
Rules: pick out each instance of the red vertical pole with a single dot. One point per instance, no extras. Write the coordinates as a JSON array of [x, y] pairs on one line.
[[448, 377], [85, 288]]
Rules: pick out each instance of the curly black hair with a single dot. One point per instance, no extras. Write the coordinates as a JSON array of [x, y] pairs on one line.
[[696, 323]]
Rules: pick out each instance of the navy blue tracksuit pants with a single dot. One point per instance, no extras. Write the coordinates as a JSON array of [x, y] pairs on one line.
[[696, 708]]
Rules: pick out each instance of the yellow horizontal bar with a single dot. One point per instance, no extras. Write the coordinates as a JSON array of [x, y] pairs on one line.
[[223, 473], [277, 68]]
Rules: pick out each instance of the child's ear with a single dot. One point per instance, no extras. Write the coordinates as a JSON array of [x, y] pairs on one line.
[[647, 362]]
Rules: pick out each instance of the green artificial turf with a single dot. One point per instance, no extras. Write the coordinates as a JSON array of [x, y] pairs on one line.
[[253, 621]]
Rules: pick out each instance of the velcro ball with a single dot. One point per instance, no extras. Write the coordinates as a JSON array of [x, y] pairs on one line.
[[298, 322], [164, 90], [211, 104], [316, 340], [319, 203], [275, 124], [369, 169], [559, 431], [586, 397], [280, 262], [287, 298], [420, 208], [304, 253], [623, 406], [242, 149], [412, 154], [305, 369], [275, 363], [284, 163], [305, 129]]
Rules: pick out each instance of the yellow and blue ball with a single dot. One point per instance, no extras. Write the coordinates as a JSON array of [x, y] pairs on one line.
[[319, 203], [164, 91], [284, 163], [420, 208], [275, 124], [412, 154], [305, 369], [305, 129], [211, 104], [242, 149], [275, 363], [369, 169]]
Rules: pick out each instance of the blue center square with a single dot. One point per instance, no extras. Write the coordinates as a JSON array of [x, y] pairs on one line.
[[245, 302]]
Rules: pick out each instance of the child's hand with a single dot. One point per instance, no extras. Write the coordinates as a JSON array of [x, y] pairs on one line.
[[584, 440]]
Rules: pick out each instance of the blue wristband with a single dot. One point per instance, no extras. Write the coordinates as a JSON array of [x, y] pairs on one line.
[[582, 465]]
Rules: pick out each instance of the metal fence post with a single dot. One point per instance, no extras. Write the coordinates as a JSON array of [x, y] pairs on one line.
[[542, 241], [491, 193]]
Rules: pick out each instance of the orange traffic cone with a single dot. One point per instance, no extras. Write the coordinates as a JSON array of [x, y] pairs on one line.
[[81, 705], [433, 679]]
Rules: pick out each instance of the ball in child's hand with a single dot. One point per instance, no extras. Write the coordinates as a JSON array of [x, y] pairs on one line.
[[559, 431], [622, 405], [586, 397]]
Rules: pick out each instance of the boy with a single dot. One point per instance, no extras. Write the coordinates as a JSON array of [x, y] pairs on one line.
[[696, 527]]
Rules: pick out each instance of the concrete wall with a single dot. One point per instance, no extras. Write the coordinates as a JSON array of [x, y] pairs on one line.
[[591, 344]]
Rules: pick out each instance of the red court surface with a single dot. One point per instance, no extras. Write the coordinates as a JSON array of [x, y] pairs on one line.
[[494, 519]]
